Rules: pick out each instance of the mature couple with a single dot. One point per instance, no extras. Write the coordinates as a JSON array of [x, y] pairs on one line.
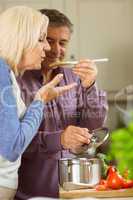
[[57, 101]]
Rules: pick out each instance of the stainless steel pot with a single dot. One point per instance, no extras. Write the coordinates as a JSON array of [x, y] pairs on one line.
[[79, 171]]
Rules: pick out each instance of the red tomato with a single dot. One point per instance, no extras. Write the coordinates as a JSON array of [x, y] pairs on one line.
[[114, 179], [103, 182], [101, 187], [128, 183]]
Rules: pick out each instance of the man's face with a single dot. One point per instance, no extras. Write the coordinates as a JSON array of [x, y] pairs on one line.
[[58, 39]]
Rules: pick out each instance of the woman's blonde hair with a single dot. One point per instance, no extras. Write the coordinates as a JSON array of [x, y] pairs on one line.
[[20, 29]]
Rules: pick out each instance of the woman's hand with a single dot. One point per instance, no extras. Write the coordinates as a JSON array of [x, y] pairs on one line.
[[49, 91]]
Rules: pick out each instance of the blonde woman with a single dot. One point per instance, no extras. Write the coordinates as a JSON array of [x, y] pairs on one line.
[[22, 47]]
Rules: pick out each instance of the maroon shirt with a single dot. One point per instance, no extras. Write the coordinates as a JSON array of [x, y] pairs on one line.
[[38, 174]]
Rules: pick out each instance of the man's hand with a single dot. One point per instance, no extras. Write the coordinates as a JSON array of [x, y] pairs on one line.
[[87, 71], [73, 137]]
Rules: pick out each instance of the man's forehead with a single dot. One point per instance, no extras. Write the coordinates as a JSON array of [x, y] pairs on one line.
[[61, 29], [61, 32]]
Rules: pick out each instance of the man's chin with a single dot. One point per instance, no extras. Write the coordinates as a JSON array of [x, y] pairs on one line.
[[52, 60], [46, 63]]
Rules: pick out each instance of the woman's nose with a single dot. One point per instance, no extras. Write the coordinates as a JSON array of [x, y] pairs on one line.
[[47, 46]]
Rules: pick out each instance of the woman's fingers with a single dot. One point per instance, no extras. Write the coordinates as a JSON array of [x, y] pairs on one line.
[[55, 80], [49, 91]]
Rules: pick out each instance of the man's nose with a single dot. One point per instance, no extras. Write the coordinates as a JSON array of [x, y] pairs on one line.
[[56, 49]]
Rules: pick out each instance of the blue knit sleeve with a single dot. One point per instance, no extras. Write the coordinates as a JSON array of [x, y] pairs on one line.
[[15, 135]]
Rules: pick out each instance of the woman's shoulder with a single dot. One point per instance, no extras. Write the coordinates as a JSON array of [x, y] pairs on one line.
[[4, 67], [4, 72]]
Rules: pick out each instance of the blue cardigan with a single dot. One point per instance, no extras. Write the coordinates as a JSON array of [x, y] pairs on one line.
[[15, 134]]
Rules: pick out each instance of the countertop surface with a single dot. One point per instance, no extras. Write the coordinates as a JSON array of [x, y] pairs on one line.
[[88, 198], [91, 194], [116, 198]]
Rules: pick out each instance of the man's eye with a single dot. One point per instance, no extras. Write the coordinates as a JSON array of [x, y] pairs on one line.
[[50, 41], [63, 44]]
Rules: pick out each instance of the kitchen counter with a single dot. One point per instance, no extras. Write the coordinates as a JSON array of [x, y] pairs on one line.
[[92, 194], [116, 198]]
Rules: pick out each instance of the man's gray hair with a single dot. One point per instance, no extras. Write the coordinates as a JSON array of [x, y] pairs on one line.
[[57, 18]]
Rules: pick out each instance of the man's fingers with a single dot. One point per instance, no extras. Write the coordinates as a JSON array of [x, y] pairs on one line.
[[61, 90], [81, 75], [56, 80], [84, 69]]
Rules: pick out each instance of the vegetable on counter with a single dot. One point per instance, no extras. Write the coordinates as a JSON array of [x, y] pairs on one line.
[[121, 149], [114, 181], [119, 154], [104, 164]]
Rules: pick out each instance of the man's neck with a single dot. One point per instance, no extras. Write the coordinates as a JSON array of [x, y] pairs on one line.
[[44, 70], [47, 74]]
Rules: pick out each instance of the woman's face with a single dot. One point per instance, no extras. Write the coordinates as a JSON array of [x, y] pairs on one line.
[[32, 58]]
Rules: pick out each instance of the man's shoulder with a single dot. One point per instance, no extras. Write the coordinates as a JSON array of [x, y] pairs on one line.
[[29, 83], [28, 77]]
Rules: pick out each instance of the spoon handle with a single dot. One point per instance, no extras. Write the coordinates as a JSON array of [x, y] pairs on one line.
[[71, 64]]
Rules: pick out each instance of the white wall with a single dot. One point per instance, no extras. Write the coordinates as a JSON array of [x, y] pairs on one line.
[[103, 28]]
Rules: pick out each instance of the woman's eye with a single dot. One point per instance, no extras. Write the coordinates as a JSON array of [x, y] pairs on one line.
[[40, 40]]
